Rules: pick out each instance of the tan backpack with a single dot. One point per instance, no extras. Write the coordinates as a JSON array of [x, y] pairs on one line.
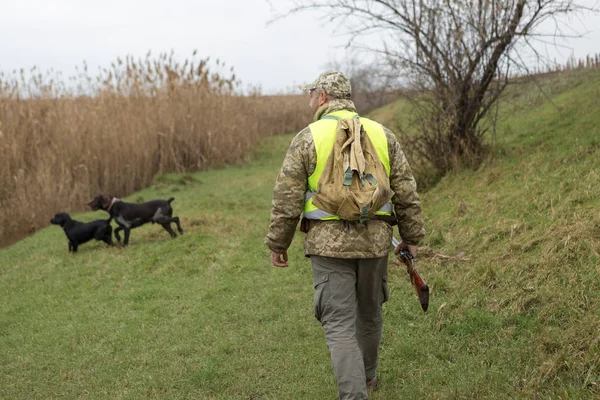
[[354, 184]]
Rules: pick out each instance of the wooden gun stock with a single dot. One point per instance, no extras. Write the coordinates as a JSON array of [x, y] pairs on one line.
[[420, 286]]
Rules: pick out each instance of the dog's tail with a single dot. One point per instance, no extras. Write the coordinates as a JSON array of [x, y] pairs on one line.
[[170, 200]]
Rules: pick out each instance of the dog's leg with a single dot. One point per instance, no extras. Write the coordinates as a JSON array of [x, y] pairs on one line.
[[108, 239], [104, 233], [117, 230], [75, 245], [176, 220], [100, 233], [167, 226], [70, 246], [108, 236], [127, 232]]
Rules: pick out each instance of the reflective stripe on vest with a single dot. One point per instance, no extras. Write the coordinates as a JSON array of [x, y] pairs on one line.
[[323, 132]]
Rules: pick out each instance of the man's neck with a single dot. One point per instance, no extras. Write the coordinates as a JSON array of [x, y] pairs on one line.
[[332, 106]]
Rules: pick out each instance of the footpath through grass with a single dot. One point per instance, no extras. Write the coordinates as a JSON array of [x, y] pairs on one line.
[[512, 258]]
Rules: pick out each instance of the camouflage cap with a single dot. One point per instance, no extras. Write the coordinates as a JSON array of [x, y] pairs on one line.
[[333, 82]]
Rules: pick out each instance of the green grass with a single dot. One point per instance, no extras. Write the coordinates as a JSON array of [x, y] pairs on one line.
[[512, 257]]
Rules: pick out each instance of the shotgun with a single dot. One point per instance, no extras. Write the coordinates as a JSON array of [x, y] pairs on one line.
[[421, 287]]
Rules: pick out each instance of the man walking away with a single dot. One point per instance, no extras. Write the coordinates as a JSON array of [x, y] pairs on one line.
[[349, 256]]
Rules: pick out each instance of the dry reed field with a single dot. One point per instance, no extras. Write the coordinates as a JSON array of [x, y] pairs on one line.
[[62, 141]]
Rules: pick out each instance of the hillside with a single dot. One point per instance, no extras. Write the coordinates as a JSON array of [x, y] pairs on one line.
[[512, 257], [521, 287]]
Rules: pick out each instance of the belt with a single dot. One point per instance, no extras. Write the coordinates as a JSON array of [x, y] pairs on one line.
[[390, 219], [307, 224]]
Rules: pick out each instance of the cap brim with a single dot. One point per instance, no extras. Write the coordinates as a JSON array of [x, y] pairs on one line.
[[307, 88]]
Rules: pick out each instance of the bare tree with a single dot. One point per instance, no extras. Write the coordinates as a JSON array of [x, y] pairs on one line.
[[456, 55]]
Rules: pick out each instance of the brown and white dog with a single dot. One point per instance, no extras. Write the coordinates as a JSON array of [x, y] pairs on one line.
[[132, 215]]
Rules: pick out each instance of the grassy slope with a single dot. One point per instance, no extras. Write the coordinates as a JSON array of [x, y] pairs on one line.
[[205, 316], [526, 300]]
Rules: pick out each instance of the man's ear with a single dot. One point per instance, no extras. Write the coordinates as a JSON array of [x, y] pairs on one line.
[[322, 98]]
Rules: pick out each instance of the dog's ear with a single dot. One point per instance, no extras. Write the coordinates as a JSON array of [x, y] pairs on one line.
[[106, 201], [100, 202]]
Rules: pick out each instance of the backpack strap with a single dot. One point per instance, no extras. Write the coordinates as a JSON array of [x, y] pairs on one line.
[[371, 179]]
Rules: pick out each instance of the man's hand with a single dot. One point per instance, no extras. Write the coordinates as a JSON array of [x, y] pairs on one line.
[[279, 259], [403, 246]]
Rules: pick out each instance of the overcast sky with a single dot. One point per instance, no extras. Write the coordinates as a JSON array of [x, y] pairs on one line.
[[60, 34]]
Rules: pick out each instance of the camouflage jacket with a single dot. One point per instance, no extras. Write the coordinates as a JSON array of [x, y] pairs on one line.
[[340, 239]]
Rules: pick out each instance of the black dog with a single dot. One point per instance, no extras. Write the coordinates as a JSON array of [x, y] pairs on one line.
[[80, 232], [131, 215]]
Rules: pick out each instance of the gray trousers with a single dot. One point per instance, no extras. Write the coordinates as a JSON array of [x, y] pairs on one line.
[[347, 301]]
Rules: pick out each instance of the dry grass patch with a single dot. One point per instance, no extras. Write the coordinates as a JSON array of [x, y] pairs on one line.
[[61, 143]]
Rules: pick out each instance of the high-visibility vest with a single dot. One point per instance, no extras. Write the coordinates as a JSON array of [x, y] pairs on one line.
[[323, 132]]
